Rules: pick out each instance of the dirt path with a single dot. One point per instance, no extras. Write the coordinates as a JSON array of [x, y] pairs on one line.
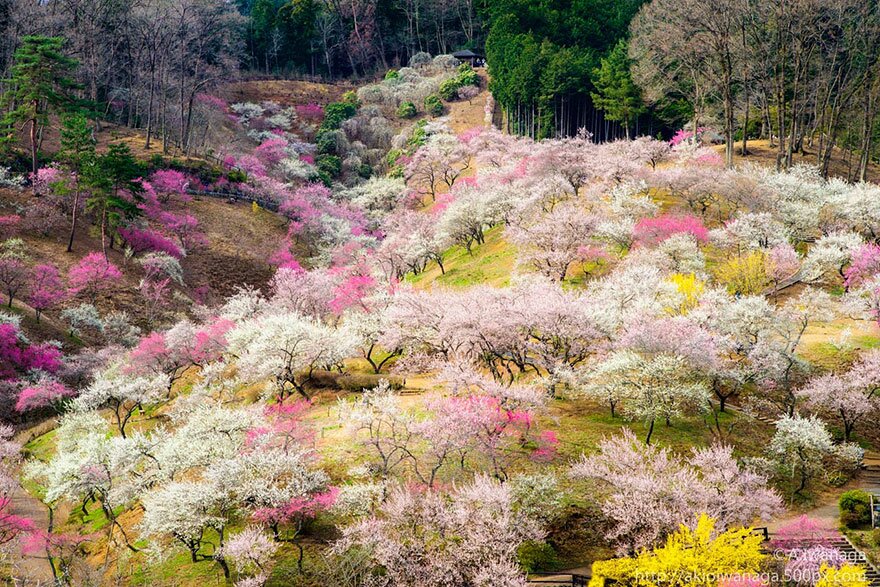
[[28, 569], [464, 115], [828, 509]]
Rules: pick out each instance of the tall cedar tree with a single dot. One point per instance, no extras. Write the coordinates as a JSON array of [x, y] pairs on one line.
[[616, 93]]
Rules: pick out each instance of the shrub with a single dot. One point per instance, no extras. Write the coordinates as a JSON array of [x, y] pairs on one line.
[[407, 110], [330, 165], [310, 111], [875, 537], [744, 275], [449, 89], [420, 59], [236, 176], [468, 93], [855, 508], [392, 74], [433, 105], [325, 142], [537, 556], [338, 112], [350, 97], [467, 76]]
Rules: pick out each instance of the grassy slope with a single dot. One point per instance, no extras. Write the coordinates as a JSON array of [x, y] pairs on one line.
[[580, 424], [490, 264]]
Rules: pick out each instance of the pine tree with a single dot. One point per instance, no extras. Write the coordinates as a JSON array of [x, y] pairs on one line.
[[39, 85], [78, 153], [115, 191]]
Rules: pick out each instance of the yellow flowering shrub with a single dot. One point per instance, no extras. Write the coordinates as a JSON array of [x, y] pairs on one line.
[[690, 287], [746, 275], [690, 558], [846, 576]]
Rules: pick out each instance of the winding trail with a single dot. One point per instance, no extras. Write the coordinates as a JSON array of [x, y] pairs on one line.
[[28, 569]]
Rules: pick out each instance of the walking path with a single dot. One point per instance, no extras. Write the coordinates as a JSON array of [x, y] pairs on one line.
[[28, 569]]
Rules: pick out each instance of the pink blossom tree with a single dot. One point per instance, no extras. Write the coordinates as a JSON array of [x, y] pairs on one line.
[[782, 262], [62, 550], [850, 397], [93, 276], [12, 527], [802, 532], [439, 163], [13, 277], [46, 290], [555, 241], [864, 266], [429, 539], [14, 272], [649, 491], [155, 356], [9, 226], [652, 231], [44, 393]]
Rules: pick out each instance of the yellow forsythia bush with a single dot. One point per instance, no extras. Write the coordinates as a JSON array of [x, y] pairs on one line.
[[690, 288], [690, 558], [846, 576], [745, 275]]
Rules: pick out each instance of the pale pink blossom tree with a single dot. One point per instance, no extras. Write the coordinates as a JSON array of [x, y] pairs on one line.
[[650, 491], [429, 539], [850, 397]]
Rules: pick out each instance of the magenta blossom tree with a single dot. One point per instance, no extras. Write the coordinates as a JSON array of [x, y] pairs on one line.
[[653, 231], [168, 183], [44, 393], [46, 289], [14, 276], [18, 356], [92, 276], [144, 240]]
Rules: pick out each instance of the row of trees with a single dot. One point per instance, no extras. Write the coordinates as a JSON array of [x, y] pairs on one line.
[[336, 37], [543, 61], [142, 64], [803, 73]]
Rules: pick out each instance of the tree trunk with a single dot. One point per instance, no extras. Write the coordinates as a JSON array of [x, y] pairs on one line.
[[34, 162], [73, 219]]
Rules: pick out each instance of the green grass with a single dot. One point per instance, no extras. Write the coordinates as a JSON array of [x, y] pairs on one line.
[[488, 264], [830, 356], [581, 425], [42, 447]]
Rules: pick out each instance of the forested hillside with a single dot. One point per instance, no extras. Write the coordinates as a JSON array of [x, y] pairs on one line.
[[292, 296]]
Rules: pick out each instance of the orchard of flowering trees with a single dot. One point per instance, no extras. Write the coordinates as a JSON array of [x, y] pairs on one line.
[[478, 355]]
